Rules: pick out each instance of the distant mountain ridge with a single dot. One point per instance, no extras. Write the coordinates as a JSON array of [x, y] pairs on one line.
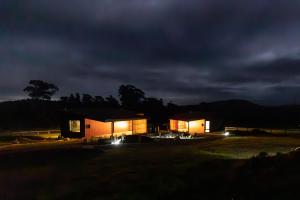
[[244, 113]]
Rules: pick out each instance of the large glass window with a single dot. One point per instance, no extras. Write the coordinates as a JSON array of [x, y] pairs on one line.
[[122, 126], [182, 126], [74, 126]]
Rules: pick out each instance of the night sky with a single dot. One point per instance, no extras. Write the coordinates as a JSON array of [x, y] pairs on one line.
[[186, 51]]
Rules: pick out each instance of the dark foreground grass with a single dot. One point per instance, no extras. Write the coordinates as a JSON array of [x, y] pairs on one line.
[[208, 169]]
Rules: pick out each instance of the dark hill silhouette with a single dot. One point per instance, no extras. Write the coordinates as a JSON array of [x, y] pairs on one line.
[[29, 114], [229, 105], [247, 114]]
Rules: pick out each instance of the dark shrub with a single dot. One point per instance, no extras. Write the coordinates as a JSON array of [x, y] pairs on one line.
[[262, 154], [137, 139], [104, 141], [258, 132], [254, 132]]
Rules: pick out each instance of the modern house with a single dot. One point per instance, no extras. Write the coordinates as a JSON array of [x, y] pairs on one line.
[[104, 123], [194, 123]]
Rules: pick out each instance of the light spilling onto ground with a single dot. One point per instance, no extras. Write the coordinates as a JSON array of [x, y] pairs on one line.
[[116, 142], [174, 136]]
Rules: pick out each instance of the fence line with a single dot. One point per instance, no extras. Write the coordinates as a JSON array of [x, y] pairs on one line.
[[269, 130], [55, 133]]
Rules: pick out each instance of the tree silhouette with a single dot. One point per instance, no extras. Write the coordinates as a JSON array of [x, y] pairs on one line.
[[64, 99], [87, 99], [39, 89], [99, 100], [130, 96], [156, 112], [77, 98], [111, 101]]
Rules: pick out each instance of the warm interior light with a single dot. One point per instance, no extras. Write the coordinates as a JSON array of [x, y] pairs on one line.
[[193, 124], [207, 126], [182, 126], [121, 125], [74, 126]]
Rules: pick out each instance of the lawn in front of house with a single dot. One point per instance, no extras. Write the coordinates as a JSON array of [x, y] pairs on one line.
[[190, 169]]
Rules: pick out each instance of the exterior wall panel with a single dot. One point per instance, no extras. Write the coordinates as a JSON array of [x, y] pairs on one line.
[[139, 126], [197, 126], [192, 127], [173, 125], [97, 129]]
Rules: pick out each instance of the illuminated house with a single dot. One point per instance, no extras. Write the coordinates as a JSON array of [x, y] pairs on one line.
[[193, 123], [104, 123]]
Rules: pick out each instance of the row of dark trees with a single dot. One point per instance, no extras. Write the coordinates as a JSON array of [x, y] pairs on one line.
[[130, 97], [89, 100]]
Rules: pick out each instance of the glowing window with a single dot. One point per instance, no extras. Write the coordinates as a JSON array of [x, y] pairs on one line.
[[121, 125], [207, 126], [74, 126], [182, 125]]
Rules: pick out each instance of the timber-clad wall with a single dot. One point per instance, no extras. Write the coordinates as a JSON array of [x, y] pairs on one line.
[[139, 126], [96, 128]]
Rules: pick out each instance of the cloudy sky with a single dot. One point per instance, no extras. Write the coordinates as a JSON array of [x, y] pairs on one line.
[[184, 51]]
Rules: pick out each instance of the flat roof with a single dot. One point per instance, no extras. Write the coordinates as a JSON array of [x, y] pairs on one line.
[[106, 114]]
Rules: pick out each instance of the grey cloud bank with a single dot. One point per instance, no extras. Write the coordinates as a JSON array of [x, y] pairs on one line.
[[184, 51]]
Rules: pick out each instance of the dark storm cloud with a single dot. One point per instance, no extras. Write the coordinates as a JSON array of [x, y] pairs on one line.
[[180, 50], [275, 71]]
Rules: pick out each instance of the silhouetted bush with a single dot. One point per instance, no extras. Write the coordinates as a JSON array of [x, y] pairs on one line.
[[137, 139], [259, 132], [262, 154], [268, 177], [104, 141], [254, 132]]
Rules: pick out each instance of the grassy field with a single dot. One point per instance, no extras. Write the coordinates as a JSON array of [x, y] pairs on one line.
[[206, 169]]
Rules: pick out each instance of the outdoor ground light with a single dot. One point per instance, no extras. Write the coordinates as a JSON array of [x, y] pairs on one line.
[[116, 142], [226, 133]]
